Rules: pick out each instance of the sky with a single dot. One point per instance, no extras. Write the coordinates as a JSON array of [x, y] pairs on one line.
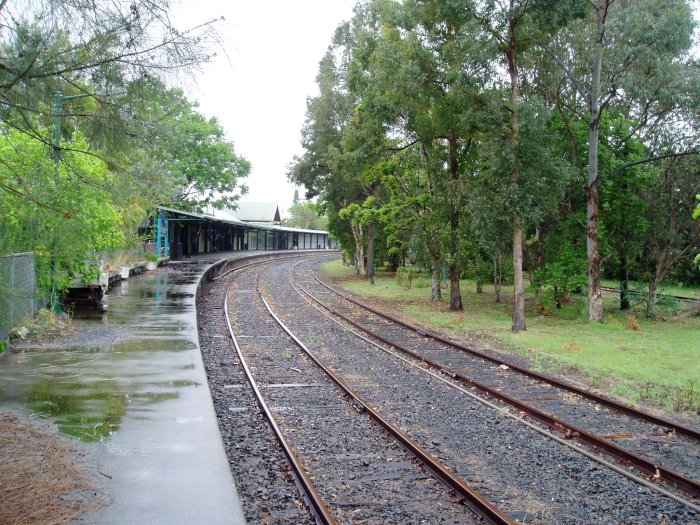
[[258, 84]]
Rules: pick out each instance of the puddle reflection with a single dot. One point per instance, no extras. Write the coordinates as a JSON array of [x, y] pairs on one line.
[[91, 391]]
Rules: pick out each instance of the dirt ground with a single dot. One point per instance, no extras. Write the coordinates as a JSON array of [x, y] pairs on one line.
[[46, 478]]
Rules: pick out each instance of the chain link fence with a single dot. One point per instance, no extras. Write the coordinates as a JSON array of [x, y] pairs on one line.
[[18, 291]]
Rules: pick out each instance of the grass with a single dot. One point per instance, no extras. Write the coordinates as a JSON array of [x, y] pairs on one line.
[[641, 360]]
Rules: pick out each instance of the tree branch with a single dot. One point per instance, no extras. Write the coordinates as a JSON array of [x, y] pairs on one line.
[[652, 159], [580, 88]]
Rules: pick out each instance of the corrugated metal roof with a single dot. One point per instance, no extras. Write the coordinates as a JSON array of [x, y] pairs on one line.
[[229, 216], [257, 211]]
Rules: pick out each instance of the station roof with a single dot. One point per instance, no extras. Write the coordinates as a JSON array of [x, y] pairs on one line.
[[229, 217], [267, 212]]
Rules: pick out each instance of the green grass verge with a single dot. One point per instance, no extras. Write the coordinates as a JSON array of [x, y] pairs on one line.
[[653, 361]]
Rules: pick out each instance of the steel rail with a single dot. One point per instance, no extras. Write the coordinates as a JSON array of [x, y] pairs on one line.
[[616, 405], [319, 507], [505, 412], [656, 472], [265, 260], [610, 289], [475, 501]]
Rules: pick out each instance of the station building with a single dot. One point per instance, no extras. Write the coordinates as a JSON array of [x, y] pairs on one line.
[[253, 226]]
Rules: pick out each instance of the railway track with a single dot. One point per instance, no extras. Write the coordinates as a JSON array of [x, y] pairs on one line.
[[624, 433], [488, 445], [681, 298], [401, 410], [350, 468]]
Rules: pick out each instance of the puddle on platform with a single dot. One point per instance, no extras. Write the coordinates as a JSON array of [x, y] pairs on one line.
[[91, 391]]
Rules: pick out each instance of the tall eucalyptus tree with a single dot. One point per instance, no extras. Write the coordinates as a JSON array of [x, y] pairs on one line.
[[421, 72], [514, 26], [633, 57]]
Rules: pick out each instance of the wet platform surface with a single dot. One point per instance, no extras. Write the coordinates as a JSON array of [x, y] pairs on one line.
[[139, 398]]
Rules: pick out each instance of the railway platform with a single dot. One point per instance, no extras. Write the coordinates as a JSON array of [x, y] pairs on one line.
[[135, 392]]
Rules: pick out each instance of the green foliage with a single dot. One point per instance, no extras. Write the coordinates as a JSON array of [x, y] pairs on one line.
[[455, 127], [306, 215], [129, 143], [95, 48], [563, 276], [639, 297], [183, 160], [66, 218]]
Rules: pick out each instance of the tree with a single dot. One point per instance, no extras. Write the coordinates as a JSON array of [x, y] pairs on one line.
[[696, 215], [104, 55], [411, 209], [95, 47], [97, 68], [339, 147], [513, 28], [359, 219], [307, 216], [66, 218], [197, 157], [672, 235], [627, 55], [535, 195], [416, 75]]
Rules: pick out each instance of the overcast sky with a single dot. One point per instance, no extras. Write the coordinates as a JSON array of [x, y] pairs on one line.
[[257, 87]]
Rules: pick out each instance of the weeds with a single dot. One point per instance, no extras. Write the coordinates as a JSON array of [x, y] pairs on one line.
[[633, 324], [572, 346], [313, 337], [45, 324]]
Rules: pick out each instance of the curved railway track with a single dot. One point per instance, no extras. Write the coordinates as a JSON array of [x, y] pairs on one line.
[[481, 444], [311, 410], [678, 445]]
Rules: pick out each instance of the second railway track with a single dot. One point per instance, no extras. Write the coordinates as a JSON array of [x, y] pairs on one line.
[[661, 449]]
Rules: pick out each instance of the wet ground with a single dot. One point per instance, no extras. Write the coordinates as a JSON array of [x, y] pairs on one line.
[[133, 388]]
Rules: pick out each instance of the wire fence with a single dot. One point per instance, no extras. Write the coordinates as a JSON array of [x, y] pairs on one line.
[[18, 291]]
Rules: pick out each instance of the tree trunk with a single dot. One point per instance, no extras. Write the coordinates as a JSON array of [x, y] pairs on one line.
[[557, 297], [370, 252], [357, 234], [595, 295], [455, 296], [436, 293], [518, 292], [497, 277], [479, 286], [653, 295], [518, 284], [624, 284]]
